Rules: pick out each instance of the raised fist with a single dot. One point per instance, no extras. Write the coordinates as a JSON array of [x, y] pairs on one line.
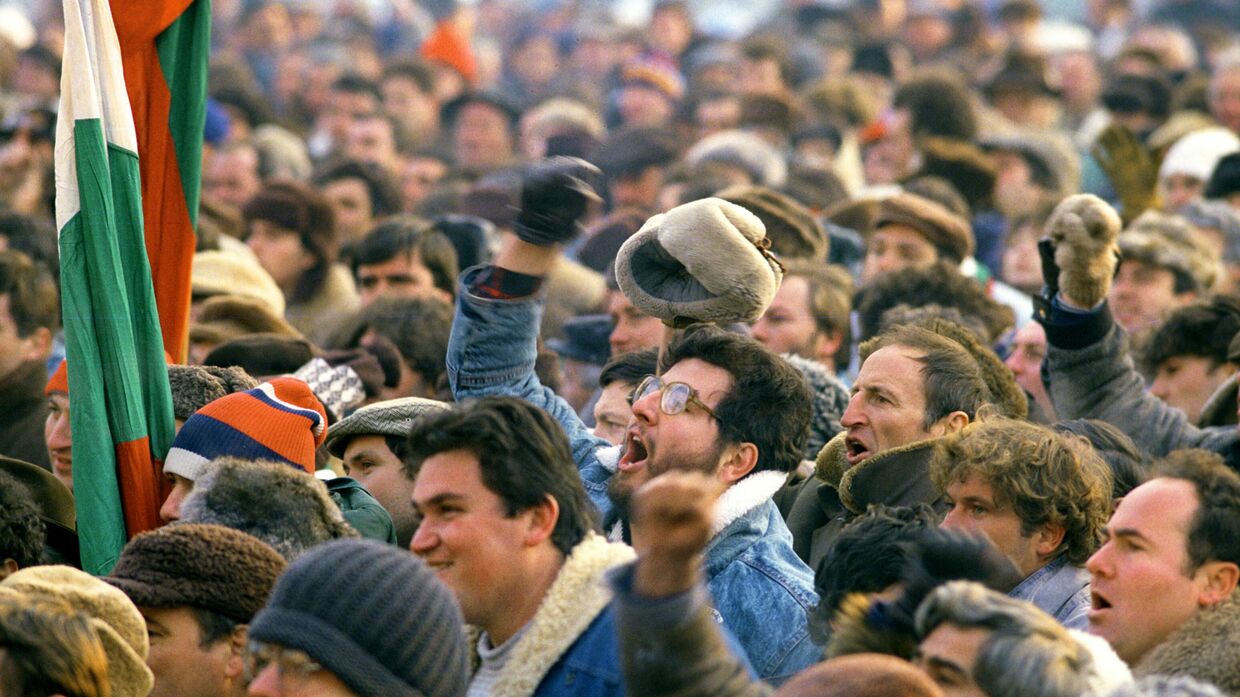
[[1083, 230], [555, 194], [672, 521]]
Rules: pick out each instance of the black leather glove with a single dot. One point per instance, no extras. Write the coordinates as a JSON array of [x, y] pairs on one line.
[[554, 197]]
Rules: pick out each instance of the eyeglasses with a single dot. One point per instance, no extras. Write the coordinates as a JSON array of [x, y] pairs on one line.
[[292, 666], [674, 396]]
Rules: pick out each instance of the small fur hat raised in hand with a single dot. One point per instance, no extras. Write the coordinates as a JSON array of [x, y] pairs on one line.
[[705, 260]]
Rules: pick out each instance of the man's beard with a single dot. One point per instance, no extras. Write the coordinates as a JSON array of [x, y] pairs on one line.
[[620, 489]]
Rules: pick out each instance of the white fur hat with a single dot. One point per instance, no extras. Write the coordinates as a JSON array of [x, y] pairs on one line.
[[705, 260]]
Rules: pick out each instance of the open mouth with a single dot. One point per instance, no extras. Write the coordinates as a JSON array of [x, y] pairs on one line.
[[635, 452], [1098, 602], [856, 450]]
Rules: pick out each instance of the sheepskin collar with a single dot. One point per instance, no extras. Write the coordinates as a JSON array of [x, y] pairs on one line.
[[868, 481], [577, 596], [746, 495], [1203, 648]]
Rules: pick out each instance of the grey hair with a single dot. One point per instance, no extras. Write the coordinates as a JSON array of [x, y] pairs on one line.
[[285, 507], [1028, 653], [1166, 686]]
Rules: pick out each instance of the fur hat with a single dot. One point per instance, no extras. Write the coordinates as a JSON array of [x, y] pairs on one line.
[[1220, 216], [262, 355], [949, 233], [1054, 165], [705, 260], [372, 615], [280, 420], [794, 232], [966, 167], [210, 567], [1169, 242], [286, 508], [829, 400], [743, 150], [195, 386], [630, 151], [394, 417], [1196, 154], [222, 273], [114, 617], [223, 318]]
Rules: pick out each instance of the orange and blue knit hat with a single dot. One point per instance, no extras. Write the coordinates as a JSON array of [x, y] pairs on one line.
[[280, 420]]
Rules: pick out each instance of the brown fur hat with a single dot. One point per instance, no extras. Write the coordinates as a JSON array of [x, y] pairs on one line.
[[949, 233]]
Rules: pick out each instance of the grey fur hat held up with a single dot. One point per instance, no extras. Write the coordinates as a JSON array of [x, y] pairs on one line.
[[706, 260]]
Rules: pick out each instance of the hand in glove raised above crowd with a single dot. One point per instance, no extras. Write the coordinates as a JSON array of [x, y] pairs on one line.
[[672, 519], [1131, 167], [1083, 231], [555, 196]]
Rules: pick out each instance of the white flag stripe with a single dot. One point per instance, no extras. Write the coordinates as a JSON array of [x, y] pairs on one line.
[[92, 60]]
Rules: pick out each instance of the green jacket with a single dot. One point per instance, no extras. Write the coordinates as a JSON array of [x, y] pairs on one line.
[[361, 510]]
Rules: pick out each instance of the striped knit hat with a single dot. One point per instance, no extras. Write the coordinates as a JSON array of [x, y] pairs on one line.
[[280, 420], [372, 615]]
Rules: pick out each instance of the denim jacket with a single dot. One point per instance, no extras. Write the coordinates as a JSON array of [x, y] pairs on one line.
[[492, 352], [1059, 589], [762, 590]]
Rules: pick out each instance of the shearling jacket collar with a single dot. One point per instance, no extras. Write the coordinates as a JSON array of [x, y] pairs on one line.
[[578, 594], [1203, 648], [899, 476]]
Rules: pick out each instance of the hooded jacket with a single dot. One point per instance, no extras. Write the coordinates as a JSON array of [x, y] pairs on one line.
[[837, 493]]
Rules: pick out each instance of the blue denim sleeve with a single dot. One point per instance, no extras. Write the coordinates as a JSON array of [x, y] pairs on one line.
[[492, 352]]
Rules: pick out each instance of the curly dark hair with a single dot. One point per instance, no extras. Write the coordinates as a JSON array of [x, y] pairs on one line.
[[1204, 328], [21, 529], [939, 104], [869, 555], [419, 328], [939, 284], [760, 379]]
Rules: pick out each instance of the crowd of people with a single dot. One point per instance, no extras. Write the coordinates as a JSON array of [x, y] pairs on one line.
[[819, 347]]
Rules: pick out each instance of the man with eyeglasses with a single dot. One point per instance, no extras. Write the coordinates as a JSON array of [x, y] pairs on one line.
[[357, 618], [724, 405]]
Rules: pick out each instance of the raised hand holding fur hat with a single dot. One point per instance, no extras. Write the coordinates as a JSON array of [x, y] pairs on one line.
[[704, 261], [1084, 230]]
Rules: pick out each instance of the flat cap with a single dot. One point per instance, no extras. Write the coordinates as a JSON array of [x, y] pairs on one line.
[[394, 417]]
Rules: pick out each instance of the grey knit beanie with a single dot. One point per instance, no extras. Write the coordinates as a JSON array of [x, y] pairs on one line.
[[374, 616]]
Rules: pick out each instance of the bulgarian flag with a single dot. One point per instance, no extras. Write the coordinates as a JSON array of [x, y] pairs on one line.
[[120, 403]]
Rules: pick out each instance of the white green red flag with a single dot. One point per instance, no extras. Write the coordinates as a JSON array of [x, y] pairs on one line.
[[120, 404]]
